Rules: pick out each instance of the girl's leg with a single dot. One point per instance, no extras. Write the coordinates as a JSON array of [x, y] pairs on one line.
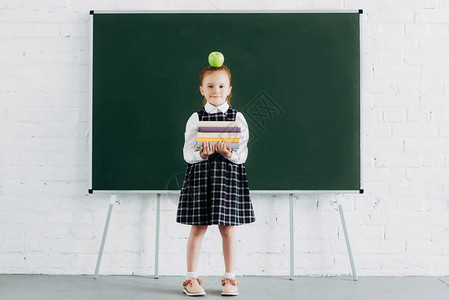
[[229, 246], [194, 246]]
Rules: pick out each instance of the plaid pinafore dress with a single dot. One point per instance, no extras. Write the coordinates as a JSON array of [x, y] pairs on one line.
[[215, 191]]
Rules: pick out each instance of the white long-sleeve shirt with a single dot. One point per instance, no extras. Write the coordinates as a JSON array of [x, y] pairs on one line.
[[191, 156]]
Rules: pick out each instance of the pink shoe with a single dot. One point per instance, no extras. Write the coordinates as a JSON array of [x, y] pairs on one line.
[[193, 287], [229, 286]]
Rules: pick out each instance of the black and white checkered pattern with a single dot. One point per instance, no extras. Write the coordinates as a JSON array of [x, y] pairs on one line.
[[215, 191]]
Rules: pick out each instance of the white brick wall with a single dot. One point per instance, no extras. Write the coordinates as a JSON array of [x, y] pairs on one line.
[[48, 224]]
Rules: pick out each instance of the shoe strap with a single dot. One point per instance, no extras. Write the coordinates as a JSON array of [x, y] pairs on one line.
[[190, 281], [233, 281]]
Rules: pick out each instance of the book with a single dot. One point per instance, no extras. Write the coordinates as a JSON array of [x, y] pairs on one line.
[[219, 135], [234, 146], [216, 131], [218, 124], [219, 129], [218, 139]]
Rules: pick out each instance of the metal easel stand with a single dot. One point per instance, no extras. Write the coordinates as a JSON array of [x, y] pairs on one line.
[[348, 246], [105, 232], [112, 201], [292, 240], [156, 258]]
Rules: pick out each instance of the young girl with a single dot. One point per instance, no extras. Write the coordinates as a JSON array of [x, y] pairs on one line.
[[215, 188]]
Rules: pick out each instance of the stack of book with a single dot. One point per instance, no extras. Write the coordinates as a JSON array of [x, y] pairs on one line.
[[215, 131]]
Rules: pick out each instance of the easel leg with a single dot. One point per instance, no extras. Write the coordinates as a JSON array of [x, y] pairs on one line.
[[105, 232], [158, 213], [348, 246], [292, 241]]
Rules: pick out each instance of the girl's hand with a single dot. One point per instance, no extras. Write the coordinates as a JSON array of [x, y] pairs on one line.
[[223, 148], [206, 150]]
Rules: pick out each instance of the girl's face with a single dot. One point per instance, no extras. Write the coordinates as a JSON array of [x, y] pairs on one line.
[[215, 87]]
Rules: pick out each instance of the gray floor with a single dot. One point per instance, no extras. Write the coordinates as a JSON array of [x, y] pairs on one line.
[[250, 287]]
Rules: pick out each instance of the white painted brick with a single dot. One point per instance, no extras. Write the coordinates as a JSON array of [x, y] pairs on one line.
[[375, 85], [25, 30], [438, 203], [312, 246], [366, 4], [427, 189], [379, 188], [84, 5], [431, 16], [417, 30], [392, 218], [413, 204], [6, 30], [325, 4], [67, 130], [378, 246], [413, 3], [407, 233], [50, 173], [364, 232], [12, 261], [391, 29], [312, 261], [319, 233], [22, 129], [18, 115], [438, 30], [23, 100], [407, 72], [389, 100], [21, 158], [425, 144], [427, 174], [415, 129], [438, 263], [444, 131], [397, 160], [390, 15], [388, 56], [403, 261], [14, 172], [377, 129], [66, 187], [427, 247], [394, 42], [23, 187], [394, 115], [406, 87], [10, 57], [432, 219], [440, 234], [431, 44], [385, 174], [434, 101], [390, 144], [435, 72], [430, 159], [441, 116], [420, 57], [415, 114], [44, 4]]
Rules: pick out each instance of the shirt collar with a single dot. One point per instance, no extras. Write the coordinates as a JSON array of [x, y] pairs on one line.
[[210, 109]]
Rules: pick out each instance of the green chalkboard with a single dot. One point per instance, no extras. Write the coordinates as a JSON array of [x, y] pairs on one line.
[[295, 78]]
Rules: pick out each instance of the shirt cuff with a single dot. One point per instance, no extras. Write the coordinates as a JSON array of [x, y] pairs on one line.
[[234, 158], [198, 156]]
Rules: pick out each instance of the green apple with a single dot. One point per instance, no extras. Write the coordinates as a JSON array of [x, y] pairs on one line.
[[216, 59]]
